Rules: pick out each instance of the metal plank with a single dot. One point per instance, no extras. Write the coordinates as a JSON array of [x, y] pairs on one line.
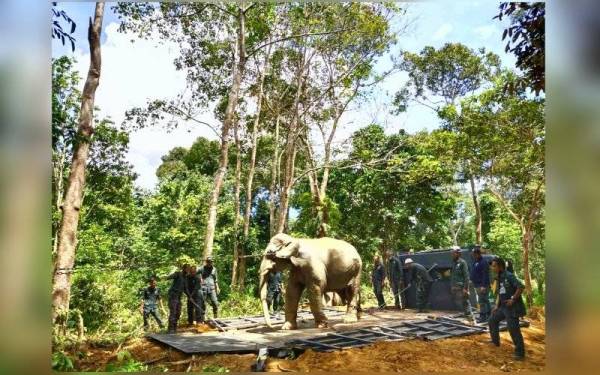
[[353, 338], [312, 342]]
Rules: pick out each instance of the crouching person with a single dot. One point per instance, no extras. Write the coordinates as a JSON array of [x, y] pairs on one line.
[[509, 305]]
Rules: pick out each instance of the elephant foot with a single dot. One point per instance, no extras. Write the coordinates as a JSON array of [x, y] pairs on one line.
[[350, 318], [321, 324], [289, 326]]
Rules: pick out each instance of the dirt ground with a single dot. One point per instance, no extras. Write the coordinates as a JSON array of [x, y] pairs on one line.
[[469, 353]]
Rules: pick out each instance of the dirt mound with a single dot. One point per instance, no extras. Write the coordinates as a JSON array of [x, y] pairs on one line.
[[470, 353]]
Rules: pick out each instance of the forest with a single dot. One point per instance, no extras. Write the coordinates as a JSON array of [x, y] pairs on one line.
[[282, 80]]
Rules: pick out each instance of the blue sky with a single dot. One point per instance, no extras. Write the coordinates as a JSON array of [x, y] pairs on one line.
[[135, 72]]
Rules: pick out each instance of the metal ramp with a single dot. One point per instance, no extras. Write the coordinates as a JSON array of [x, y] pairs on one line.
[[244, 322], [428, 329]]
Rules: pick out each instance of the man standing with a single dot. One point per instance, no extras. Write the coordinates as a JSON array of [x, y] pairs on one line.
[[175, 291], [509, 305], [194, 297], [209, 287], [150, 301], [459, 283], [420, 276], [480, 276], [274, 290], [396, 278], [377, 279]]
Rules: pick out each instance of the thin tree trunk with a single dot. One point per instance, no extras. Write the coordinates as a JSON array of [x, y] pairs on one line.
[[236, 220], [478, 218], [274, 179], [526, 243], [234, 91], [67, 237]]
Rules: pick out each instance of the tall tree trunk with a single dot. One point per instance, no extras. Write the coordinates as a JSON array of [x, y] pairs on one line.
[[233, 96], [251, 168], [526, 240], [67, 236], [236, 220], [478, 218], [274, 179]]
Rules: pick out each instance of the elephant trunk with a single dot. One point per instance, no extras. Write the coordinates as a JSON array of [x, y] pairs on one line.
[[264, 272]]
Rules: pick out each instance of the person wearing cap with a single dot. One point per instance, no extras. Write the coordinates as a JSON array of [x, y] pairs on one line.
[[480, 277], [377, 280], [459, 283], [178, 286], [509, 305], [420, 276], [209, 287], [194, 297], [396, 278]]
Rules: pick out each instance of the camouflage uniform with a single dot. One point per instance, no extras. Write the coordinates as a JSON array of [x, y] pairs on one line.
[[274, 290], [459, 280], [423, 282], [150, 297], [194, 301], [396, 277], [177, 289], [507, 285], [377, 278], [208, 289]]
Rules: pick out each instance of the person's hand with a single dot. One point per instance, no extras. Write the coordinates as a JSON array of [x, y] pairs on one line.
[[482, 289], [494, 310], [510, 302], [466, 291]]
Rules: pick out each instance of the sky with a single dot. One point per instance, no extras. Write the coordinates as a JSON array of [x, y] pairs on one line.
[[133, 72]]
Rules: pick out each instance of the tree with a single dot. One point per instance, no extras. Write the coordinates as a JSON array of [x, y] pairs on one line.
[[67, 237], [438, 79], [526, 39], [509, 129]]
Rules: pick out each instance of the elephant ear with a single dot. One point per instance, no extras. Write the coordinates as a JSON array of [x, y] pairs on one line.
[[288, 249], [298, 262]]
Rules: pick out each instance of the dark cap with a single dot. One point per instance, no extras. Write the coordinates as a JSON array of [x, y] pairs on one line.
[[477, 249], [209, 259]]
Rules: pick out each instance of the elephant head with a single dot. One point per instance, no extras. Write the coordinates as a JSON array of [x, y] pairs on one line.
[[281, 253]]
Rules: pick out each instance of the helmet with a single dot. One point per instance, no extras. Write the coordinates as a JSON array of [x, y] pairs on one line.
[[408, 261]]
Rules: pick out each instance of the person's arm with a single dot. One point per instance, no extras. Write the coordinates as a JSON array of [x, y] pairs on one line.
[[466, 277], [519, 290], [216, 282]]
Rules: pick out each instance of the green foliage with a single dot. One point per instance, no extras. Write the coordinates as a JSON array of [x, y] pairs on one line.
[[62, 362], [125, 363]]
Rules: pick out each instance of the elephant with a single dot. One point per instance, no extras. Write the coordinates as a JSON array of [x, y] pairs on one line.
[[333, 299], [319, 265]]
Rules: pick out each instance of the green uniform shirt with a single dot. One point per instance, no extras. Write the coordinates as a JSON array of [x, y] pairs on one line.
[[459, 276], [209, 277], [178, 285], [507, 285], [150, 296]]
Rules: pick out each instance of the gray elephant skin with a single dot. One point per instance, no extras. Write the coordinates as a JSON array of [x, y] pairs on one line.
[[318, 265]]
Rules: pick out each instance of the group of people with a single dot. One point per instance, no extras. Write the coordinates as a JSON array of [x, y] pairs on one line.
[[505, 287], [199, 285]]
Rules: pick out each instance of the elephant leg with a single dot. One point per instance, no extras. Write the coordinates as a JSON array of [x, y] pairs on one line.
[[315, 297], [292, 297], [352, 300]]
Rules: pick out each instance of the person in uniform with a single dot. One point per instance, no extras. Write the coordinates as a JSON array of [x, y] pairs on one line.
[[459, 283], [149, 304], [274, 290], [209, 287], [480, 277], [377, 280], [509, 305], [178, 286], [194, 304], [420, 276], [396, 278]]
